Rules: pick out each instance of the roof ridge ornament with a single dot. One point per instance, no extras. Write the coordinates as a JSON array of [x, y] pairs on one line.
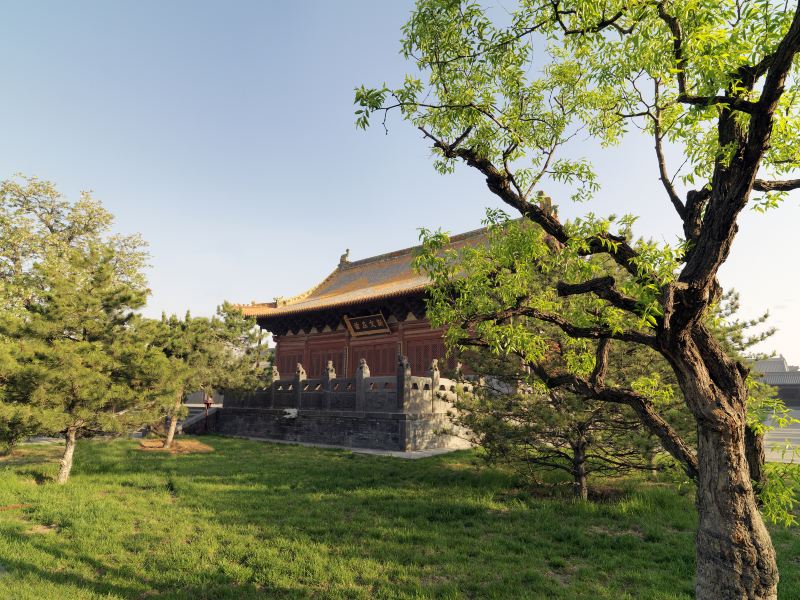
[[345, 258]]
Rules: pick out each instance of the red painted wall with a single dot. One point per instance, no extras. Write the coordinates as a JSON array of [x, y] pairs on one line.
[[414, 339]]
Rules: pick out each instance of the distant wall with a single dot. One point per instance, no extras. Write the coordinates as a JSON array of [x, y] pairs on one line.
[[790, 394]]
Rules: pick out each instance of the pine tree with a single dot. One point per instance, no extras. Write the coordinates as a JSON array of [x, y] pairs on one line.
[[208, 355], [75, 359], [83, 363], [521, 424]]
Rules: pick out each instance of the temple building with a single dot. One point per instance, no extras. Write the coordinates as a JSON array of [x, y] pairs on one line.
[[356, 363], [777, 372], [372, 309]]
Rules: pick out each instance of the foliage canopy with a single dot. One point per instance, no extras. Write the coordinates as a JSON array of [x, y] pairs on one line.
[[510, 97]]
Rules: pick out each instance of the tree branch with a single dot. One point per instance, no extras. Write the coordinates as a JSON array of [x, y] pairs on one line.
[[733, 181], [602, 287], [592, 333], [680, 66], [785, 185], [655, 423], [733, 102], [501, 185], [595, 28], [778, 66], [662, 162], [598, 375]]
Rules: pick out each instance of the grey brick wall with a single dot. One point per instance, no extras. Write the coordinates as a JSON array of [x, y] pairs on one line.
[[386, 413]]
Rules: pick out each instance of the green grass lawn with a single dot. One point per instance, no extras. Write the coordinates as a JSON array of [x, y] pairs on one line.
[[257, 520]]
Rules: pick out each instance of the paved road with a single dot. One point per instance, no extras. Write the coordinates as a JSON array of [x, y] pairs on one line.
[[783, 437]]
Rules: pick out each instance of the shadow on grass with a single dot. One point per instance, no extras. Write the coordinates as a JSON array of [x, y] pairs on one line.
[[107, 578], [430, 517], [23, 569], [295, 522], [31, 454]]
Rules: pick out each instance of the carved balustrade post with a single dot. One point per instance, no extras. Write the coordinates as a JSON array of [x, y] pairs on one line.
[[403, 382], [434, 374], [275, 377], [299, 381], [361, 385], [327, 386]]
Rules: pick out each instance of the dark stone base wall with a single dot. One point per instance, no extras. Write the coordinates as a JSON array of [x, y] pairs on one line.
[[379, 430], [428, 433]]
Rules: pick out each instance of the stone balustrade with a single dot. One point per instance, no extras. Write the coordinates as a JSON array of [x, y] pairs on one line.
[[363, 393]]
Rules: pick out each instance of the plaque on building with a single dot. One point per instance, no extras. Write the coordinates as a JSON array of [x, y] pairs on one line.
[[367, 325]]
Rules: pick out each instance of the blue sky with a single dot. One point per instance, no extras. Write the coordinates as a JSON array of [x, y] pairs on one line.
[[223, 133]]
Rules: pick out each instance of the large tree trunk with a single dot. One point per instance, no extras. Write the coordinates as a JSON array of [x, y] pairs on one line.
[[580, 486], [735, 556], [66, 459], [173, 419]]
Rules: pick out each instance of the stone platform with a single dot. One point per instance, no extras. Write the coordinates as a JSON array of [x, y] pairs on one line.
[[401, 413]]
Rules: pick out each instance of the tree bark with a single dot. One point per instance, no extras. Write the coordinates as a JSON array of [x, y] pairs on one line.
[[735, 556], [756, 457], [734, 552], [580, 485], [173, 419], [66, 459]]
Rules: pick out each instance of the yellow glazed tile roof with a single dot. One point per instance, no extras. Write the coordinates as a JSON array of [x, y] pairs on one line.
[[374, 278]]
